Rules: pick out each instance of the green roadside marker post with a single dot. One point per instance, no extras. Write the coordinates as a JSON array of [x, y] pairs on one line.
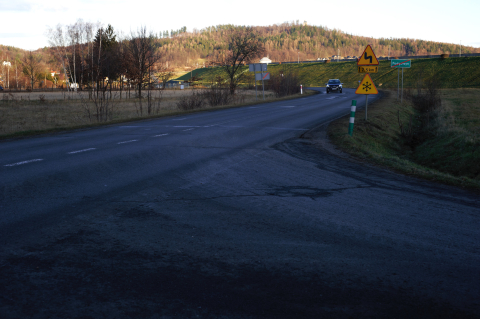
[[352, 117]]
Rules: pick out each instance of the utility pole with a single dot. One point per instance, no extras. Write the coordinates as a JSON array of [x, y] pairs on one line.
[[460, 48]]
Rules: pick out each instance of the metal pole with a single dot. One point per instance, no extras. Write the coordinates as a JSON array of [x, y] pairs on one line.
[[255, 79], [398, 84], [401, 100], [366, 106], [263, 87]]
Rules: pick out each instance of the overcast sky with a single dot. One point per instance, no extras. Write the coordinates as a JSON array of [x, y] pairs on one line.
[[24, 22]]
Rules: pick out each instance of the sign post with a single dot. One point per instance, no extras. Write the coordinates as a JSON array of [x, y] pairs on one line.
[[367, 63], [259, 76], [400, 64]]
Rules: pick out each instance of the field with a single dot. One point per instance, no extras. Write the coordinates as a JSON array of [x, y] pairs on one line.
[[32, 113], [450, 72], [448, 149]]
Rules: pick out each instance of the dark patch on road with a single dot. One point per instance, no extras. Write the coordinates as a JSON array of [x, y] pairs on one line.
[[59, 280]]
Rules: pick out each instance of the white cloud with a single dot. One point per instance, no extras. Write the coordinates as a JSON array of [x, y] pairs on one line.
[[416, 20]]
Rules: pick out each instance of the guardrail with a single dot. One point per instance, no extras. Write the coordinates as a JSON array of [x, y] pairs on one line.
[[407, 57]]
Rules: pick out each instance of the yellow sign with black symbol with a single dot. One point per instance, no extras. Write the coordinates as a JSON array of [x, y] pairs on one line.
[[366, 86], [368, 69], [368, 57]]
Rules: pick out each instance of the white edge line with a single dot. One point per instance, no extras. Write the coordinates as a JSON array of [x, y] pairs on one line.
[[80, 151], [25, 162], [127, 142]]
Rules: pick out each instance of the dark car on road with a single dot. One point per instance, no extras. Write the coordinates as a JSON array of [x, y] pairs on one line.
[[1, 88], [334, 85]]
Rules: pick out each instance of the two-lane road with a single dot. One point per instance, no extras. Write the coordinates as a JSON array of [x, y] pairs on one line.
[[228, 214]]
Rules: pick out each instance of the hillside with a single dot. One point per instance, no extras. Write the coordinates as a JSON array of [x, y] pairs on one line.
[[184, 51], [451, 73], [292, 42]]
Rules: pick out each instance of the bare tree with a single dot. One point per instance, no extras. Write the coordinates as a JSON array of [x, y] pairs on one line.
[[164, 74], [244, 45], [141, 55], [31, 67], [72, 46]]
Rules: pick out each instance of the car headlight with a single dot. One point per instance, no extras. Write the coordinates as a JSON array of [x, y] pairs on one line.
[[328, 86]]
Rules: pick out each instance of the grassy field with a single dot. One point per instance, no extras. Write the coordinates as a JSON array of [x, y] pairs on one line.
[[450, 72], [25, 114], [449, 154]]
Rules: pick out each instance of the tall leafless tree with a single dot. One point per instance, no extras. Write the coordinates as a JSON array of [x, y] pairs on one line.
[[31, 67], [72, 46], [141, 55], [243, 47]]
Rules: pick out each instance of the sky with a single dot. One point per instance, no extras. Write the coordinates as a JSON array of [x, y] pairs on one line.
[[24, 22]]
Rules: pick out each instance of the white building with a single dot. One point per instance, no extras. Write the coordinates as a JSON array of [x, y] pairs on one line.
[[265, 60]]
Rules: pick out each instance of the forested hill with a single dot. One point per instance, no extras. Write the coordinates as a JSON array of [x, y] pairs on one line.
[[283, 42], [292, 41]]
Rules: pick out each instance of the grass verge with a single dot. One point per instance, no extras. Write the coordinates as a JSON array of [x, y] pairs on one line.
[[450, 154], [23, 118]]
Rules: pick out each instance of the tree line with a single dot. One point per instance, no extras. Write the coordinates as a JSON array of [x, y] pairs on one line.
[[91, 56]]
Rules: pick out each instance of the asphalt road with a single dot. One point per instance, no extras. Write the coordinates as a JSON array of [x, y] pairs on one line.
[[237, 213]]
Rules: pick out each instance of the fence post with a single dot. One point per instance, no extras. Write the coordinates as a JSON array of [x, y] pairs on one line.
[[352, 117]]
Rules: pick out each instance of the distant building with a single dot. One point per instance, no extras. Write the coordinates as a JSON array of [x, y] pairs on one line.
[[265, 60]]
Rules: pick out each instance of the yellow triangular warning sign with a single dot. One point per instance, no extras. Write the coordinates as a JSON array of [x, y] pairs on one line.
[[368, 57], [366, 86]]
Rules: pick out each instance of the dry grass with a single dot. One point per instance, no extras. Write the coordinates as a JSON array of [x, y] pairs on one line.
[[450, 155], [31, 113]]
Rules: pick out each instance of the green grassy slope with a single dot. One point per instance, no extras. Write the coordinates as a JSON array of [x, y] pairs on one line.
[[451, 73]]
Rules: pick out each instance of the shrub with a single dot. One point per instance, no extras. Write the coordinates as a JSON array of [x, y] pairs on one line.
[[217, 94], [191, 102], [284, 84]]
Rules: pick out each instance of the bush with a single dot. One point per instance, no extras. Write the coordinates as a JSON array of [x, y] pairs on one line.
[[217, 94], [191, 102], [284, 84]]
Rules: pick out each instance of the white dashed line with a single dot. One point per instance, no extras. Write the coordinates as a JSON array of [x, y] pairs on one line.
[[161, 135], [180, 119], [179, 126], [127, 142], [80, 151], [25, 162], [287, 128], [189, 129], [287, 106]]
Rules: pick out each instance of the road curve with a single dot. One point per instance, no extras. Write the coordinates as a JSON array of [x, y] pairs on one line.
[[235, 213]]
